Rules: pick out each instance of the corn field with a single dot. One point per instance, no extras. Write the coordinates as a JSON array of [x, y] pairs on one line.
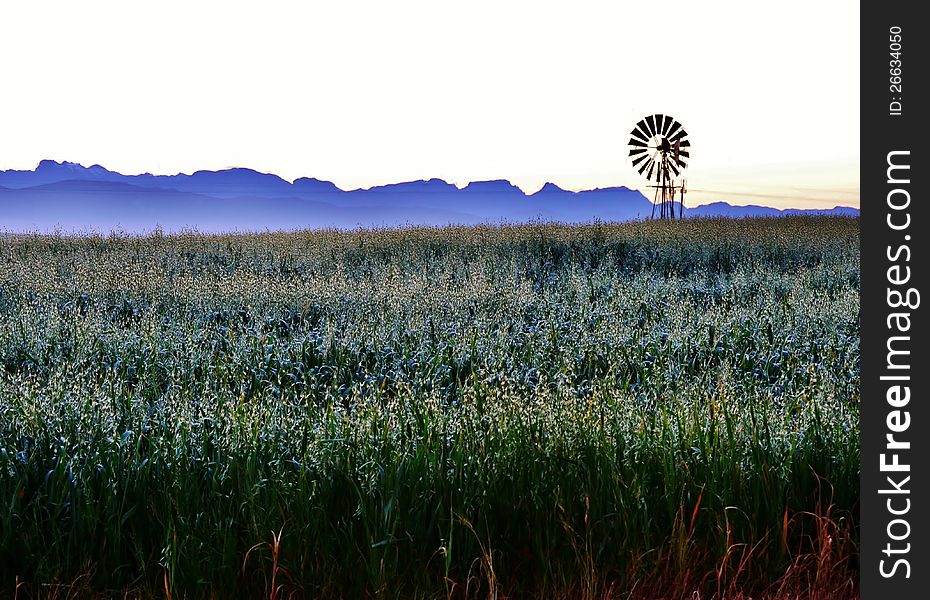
[[604, 411]]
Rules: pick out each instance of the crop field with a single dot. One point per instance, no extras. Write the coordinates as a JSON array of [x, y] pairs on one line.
[[642, 410]]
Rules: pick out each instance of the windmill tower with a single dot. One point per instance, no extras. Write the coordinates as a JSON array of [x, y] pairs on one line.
[[659, 149]]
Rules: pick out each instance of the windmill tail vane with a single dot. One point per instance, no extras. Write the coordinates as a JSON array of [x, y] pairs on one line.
[[659, 149]]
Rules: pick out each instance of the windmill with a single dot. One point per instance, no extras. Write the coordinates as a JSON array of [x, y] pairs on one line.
[[659, 149]]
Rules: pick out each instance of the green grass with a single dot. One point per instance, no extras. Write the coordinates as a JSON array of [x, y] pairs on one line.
[[541, 410]]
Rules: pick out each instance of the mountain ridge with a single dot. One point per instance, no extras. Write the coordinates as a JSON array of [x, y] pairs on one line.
[[65, 195]]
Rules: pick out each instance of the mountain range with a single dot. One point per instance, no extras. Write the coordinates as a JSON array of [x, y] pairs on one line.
[[69, 197]]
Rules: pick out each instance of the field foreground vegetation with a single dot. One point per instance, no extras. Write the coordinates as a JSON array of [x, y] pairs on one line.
[[607, 411]]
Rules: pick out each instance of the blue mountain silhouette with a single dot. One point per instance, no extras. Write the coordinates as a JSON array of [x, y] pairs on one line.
[[722, 209], [70, 197]]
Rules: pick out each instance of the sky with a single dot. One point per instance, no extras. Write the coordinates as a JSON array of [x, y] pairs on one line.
[[368, 93]]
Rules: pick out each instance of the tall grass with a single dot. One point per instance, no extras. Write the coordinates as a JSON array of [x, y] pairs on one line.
[[645, 409]]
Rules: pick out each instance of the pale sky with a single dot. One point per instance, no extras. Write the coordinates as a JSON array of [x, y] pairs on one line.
[[367, 93]]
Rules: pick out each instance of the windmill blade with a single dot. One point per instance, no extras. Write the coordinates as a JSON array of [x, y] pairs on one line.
[[682, 163], [685, 143], [636, 133], [646, 164], [657, 171], [673, 130], [652, 165], [666, 125], [684, 153], [635, 151], [636, 161], [658, 119], [681, 134], [651, 122], [644, 129], [635, 142], [671, 165]]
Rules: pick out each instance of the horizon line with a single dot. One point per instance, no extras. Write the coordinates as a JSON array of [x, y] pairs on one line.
[[724, 195]]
